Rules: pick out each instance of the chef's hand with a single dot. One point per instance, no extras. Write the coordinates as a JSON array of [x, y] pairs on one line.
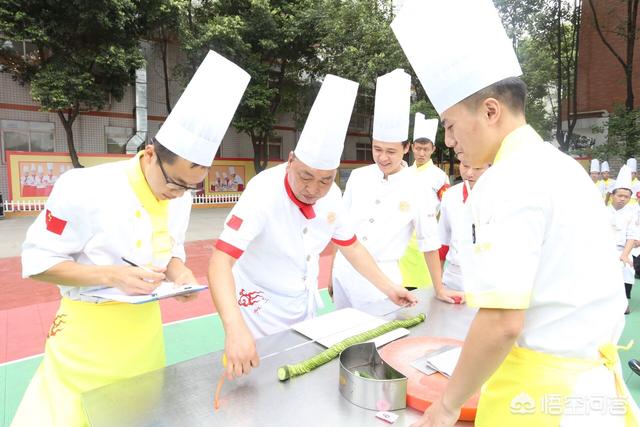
[[185, 277], [450, 296], [134, 280], [240, 349], [626, 260], [401, 296], [437, 415]]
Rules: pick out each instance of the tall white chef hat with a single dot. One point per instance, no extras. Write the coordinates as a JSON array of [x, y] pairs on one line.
[[624, 178], [40, 170], [49, 167], [198, 122], [595, 166], [604, 167], [33, 167], [425, 128], [232, 170], [322, 139], [469, 50], [632, 164], [391, 111], [25, 169]]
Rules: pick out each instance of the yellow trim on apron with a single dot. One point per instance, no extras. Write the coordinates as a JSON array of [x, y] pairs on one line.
[[91, 345], [412, 264], [527, 380]]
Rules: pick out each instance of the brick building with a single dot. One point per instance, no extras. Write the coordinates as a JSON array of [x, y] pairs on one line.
[[601, 79]]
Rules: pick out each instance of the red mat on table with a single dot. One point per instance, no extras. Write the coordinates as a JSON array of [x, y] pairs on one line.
[[423, 389]]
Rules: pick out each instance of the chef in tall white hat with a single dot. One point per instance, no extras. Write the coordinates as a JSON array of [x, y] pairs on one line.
[[434, 181], [624, 225], [544, 327], [594, 173], [138, 210], [594, 170], [385, 203], [264, 271], [632, 164], [235, 180], [607, 181]]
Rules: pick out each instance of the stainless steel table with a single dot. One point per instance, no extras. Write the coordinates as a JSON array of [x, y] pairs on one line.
[[182, 394]]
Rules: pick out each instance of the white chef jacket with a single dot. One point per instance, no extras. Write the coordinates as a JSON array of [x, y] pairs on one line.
[[530, 250], [624, 226], [103, 221], [455, 231], [237, 180], [434, 180], [278, 250], [385, 213]]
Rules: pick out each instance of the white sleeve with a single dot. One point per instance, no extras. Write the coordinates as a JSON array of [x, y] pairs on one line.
[[60, 231], [508, 234], [444, 224], [426, 225], [245, 221], [344, 234]]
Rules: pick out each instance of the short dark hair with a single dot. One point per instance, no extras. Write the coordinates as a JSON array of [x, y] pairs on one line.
[[423, 140], [622, 188], [168, 156], [511, 91]]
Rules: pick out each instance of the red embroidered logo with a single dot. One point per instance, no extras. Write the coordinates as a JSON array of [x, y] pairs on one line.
[[234, 222], [54, 224], [56, 326], [250, 298]]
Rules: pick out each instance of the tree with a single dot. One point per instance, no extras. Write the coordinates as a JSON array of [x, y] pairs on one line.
[[520, 19], [563, 36], [624, 124], [273, 40], [85, 52], [626, 30], [164, 24]]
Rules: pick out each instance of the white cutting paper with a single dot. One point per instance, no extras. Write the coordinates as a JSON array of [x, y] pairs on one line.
[[331, 328], [445, 362]]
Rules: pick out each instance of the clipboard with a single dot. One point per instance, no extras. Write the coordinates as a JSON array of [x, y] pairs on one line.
[[165, 290]]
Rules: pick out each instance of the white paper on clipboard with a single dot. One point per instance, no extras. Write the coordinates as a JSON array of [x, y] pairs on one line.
[[331, 328], [165, 290]]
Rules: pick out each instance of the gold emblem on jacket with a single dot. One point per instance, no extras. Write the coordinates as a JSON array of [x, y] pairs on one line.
[[331, 217]]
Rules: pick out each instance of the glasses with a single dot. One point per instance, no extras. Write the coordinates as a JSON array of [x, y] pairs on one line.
[[171, 184]]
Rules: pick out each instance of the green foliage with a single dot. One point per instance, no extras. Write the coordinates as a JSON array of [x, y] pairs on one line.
[[81, 53], [623, 128]]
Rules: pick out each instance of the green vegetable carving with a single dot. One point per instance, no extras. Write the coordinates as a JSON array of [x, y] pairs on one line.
[[290, 371]]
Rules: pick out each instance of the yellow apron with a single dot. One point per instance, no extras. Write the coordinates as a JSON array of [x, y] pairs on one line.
[[413, 266], [529, 388], [91, 345]]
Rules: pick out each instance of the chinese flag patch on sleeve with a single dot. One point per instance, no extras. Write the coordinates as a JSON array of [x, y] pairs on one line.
[[55, 224], [234, 222]]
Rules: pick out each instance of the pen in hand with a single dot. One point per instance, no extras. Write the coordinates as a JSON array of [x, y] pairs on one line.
[[133, 264]]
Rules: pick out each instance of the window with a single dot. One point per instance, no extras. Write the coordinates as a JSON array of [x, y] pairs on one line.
[[363, 151], [24, 48], [17, 135], [117, 139], [274, 148]]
